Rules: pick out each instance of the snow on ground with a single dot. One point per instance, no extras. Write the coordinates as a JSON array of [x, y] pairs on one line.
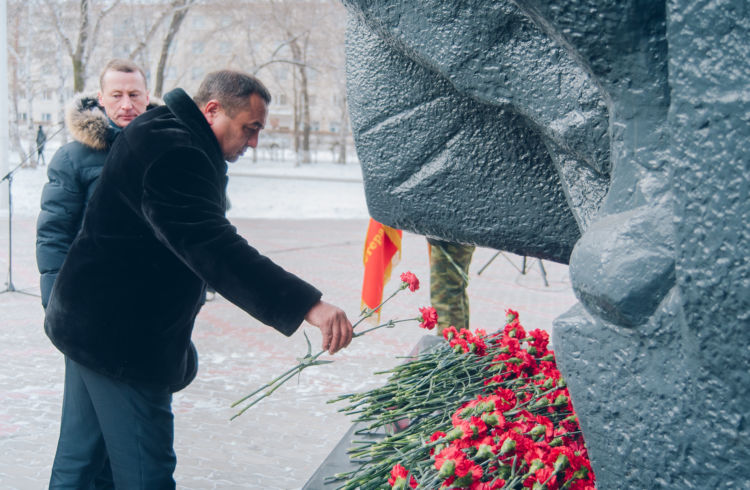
[[283, 190], [262, 189]]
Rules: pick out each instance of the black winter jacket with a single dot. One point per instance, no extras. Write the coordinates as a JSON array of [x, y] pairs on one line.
[[73, 173], [155, 232]]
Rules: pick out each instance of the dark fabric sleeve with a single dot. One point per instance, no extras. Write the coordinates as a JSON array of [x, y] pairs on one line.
[[183, 200], [63, 202]]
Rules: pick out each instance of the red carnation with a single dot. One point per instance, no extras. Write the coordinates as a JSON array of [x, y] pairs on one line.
[[410, 280], [398, 478], [449, 333], [510, 315], [435, 437], [429, 317], [541, 341], [467, 472], [491, 485]]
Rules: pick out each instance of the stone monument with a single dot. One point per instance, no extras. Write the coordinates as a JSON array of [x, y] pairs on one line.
[[613, 135]]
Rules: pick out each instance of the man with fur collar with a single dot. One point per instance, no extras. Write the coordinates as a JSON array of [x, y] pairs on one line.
[[124, 304], [93, 122]]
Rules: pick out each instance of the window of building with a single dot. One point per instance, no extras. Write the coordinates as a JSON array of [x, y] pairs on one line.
[[315, 126], [335, 127], [281, 99]]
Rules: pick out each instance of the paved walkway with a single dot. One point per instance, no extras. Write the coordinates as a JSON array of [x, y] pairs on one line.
[[279, 443]]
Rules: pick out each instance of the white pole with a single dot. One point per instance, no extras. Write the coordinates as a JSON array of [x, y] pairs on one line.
[[4, 164]]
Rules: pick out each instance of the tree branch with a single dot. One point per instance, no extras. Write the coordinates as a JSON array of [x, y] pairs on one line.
[[56, 22], [97, 25], [281, 60]]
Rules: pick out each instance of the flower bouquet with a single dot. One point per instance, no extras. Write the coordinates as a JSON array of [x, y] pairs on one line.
[[476, 412]]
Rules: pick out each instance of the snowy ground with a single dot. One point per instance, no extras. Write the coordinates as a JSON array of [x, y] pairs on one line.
[[263, 189]]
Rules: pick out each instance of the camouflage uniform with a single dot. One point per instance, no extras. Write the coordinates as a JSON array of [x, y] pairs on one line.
[[449, 276]]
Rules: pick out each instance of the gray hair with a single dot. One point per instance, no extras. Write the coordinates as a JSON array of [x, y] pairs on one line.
[[232, 89]]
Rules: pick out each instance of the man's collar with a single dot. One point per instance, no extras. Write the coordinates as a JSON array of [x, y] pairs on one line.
[[182, 106]]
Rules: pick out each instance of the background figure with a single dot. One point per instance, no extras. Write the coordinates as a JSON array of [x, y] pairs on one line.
[[93, 122], [449, 278], [41, 140]]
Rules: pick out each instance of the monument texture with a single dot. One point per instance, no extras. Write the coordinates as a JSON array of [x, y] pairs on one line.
[[610, 135]]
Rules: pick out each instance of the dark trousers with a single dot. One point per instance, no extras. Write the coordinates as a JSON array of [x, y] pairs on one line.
[[113, 434]]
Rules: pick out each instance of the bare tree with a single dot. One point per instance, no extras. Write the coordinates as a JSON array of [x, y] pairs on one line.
[[302, 97], [296, 20], [180, 10], [86, 33], [16, 64], [26, 46], [291, 39], [146, 39]]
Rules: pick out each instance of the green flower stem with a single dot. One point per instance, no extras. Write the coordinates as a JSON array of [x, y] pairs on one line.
[[270, 383], [311, 360], [517, 408], [388, 324], [265, 394], [368, 313], [276, 383]]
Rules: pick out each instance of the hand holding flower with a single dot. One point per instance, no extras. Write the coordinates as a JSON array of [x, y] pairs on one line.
[[337, 332], [333, 324]]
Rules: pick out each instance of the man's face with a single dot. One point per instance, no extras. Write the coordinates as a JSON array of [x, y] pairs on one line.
[[236, 134], [123, 96]]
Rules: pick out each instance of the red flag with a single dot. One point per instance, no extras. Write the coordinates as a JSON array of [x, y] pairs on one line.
[[382, 252]]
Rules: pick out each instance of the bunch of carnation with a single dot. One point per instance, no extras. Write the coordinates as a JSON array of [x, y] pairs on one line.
[[484, 412]]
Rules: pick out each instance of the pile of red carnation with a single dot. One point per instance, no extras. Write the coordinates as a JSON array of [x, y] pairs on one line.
[[517, 430]]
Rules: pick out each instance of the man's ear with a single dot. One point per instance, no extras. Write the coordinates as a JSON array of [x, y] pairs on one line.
[[99, 98], [210, 110]]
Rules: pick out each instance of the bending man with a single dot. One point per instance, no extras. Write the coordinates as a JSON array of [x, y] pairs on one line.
[[123, 306]]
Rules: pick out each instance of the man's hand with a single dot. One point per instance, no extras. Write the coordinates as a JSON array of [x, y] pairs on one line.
[[333, 324]]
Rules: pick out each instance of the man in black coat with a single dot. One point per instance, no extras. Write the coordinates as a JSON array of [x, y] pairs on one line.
[[123, 305]]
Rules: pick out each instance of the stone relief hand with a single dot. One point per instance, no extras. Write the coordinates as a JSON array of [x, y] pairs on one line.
[[333, 324]]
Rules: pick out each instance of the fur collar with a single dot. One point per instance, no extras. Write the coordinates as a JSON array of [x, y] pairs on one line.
[[88, 123]]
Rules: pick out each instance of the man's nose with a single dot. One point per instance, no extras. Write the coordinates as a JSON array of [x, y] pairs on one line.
[[253, 141], [126, 103]]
